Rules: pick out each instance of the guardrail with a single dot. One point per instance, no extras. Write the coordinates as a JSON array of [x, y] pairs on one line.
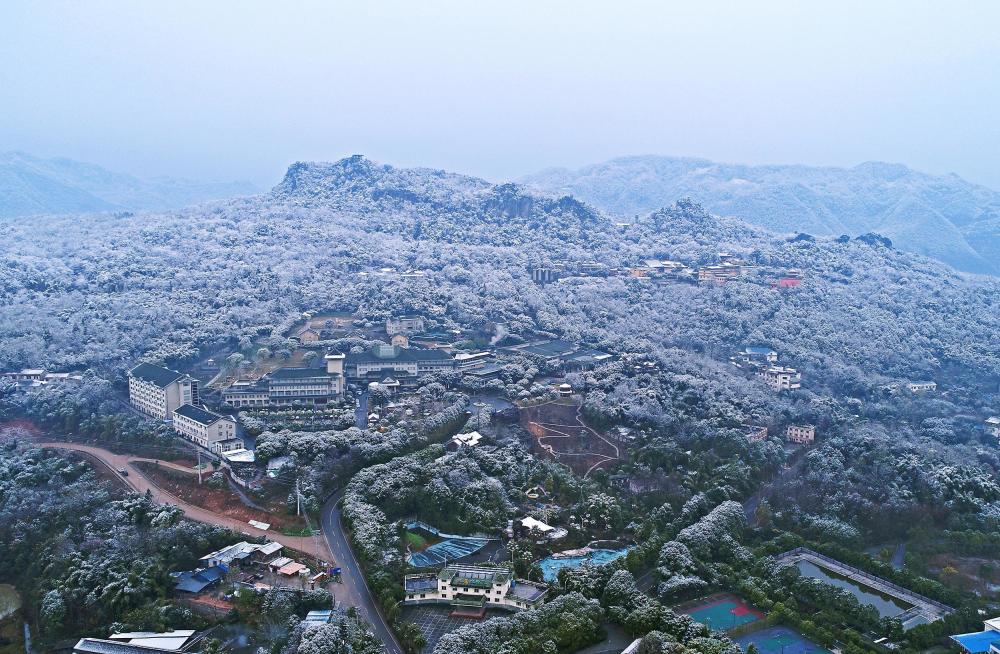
[[906, 592]]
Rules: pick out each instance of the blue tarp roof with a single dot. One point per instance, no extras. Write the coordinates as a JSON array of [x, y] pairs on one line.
[[978, 642], [195, 581]]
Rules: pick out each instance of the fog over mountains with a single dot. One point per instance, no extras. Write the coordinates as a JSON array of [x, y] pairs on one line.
[[32, 185], [944, 217]]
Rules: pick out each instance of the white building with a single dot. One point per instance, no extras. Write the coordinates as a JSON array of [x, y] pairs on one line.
[[803, 435], [781, 378], [204, 427], [474, 588], [922, 386], [404, 325], [993, 426], [158, 391]]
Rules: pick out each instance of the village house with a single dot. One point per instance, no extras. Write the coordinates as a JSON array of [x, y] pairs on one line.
[[471, 589], [242, 552], [459, 441], [204, 427], [757, 355], [993, 426], [922, 386], [756, 433], [308, 336], [803, 435], [32, 378], [781, 378], [158, 391]]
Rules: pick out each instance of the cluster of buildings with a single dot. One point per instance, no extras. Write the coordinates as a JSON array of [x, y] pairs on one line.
[[763, 363], [729, 267], [471, 589], [31, 378], [166, 394], [568, 356]]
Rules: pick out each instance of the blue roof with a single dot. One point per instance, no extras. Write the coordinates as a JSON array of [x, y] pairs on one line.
[[978, 642], [195, 581]]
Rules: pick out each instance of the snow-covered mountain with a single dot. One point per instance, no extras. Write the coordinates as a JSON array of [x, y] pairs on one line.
[[434, 204], [944, 217], [31, 185]]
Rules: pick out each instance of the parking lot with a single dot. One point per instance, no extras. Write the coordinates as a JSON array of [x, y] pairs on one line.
[[435, 622]]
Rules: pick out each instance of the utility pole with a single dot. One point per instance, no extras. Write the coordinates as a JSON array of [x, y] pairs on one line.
[[298, 498], [199, 467]]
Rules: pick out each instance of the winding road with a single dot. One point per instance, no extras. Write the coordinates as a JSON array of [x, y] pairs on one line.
[[336, 548], [354, 591], [140, 483]]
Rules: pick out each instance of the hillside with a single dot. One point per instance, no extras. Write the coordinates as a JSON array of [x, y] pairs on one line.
[[944, 217], [31, 185]]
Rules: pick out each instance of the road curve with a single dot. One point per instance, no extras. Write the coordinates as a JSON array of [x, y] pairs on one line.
[[140, 483], [355, 589]]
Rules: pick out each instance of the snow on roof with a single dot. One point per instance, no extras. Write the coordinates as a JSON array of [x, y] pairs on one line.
[[239, 456], [170, 640], [471, 439], [530, 523]]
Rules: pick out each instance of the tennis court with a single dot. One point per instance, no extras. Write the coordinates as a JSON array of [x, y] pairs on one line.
[[780, 640], [723, 612]]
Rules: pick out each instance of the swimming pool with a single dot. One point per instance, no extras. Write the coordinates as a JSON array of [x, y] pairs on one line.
[[552, 565]]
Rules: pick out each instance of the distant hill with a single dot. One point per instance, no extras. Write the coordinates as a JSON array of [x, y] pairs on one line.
[[944, 217], [31, 185]]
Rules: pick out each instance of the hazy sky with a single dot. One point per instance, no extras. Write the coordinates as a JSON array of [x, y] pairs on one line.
[[238, 90]]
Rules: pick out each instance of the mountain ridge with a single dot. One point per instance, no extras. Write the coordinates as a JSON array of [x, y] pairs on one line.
[[945, 217], [31, 185]]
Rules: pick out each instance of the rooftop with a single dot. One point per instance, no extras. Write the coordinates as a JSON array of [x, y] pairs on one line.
[[168, 640], [390, 353], [474, 576], [198, 414], [155, 375], [298, 373], [101, 646], [527, 590], [418, 583]]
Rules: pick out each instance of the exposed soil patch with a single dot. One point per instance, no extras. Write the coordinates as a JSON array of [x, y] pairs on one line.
[[218, 500], [558, 432], [969, 573]]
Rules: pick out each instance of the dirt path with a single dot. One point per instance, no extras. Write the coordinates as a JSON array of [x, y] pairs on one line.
[[139, 482], [555, 431]]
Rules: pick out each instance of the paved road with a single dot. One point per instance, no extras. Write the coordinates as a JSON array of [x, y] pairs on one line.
[[139, 482], [361, 413], [750, 505], [354, 591]]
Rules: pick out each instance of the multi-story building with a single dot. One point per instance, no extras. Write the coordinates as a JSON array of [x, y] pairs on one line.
[[158, 391], [922, 386], [993, 426], [803, 435], [290, 386], [248, 393], [473, 588], [756, 433], [781, 378], [757, 355], [404, 325], [720, 273], [403, 364], [204, 427]]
